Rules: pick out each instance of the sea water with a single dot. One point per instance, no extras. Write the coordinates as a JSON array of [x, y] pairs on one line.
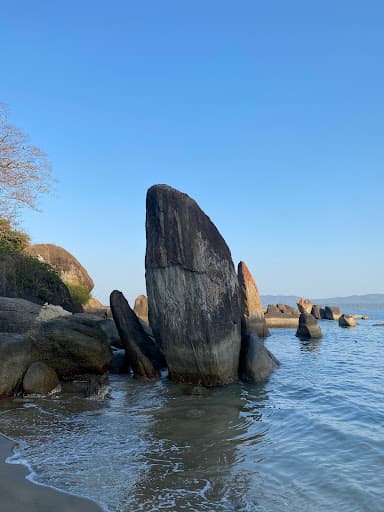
[[311, 439]]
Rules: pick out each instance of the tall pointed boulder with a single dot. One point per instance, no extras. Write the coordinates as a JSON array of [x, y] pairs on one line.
[[251, 306], [192, 289]]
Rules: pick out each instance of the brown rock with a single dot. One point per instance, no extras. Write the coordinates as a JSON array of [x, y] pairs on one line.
[[347, 321], [281, 316], [304, 305], [251, 306], [141, 307], [67, 266]]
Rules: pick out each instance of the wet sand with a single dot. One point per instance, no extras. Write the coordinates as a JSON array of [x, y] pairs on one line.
[[18, 494]]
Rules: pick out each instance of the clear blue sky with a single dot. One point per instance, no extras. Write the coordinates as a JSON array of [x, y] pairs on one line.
[[268, 113]]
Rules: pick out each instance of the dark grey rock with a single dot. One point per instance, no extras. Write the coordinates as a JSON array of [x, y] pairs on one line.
[[332, 313], [72, 345], [15, 358], [256, 361], [308, 327], [192, 289], [142, 351]]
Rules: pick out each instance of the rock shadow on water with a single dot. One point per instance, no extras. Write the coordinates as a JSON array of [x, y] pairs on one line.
[[196, 440], [310, 344]]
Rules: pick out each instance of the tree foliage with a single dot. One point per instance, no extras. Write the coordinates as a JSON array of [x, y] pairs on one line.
[[25, 172], [12, 239]]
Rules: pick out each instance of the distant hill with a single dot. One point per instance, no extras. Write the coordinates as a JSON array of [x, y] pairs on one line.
[[370, 302]]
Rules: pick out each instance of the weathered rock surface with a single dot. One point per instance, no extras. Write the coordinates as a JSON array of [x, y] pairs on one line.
[[142, 351], [332, 313], [251, 307], [40, 379], [192, 288], [281, 316], [72, 345], [141, 307], [316, 311], [15, 358], [304, 305], [347, 321], [256, 361], [93, 305], [19, 315], [308, 327], [68, 267]]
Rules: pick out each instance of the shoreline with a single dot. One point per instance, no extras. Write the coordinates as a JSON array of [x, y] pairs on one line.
[[17, 493]]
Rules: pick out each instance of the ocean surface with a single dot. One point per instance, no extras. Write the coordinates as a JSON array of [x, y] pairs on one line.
[[311, 439]]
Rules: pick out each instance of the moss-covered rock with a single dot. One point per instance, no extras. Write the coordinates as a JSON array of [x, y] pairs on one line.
[[22, 276]]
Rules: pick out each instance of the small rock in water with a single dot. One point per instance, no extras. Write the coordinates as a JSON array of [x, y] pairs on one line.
[[308, 327], [347, 321]]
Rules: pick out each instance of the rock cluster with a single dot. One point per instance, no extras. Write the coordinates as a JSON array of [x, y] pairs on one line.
[[281, 316], [69, 345]]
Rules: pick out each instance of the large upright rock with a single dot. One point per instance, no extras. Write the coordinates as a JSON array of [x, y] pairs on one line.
[[192, 288], [68, 267], [142, 352], [251, 307]]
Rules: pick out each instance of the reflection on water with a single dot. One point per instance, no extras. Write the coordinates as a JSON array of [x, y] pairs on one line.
[[310, 439]]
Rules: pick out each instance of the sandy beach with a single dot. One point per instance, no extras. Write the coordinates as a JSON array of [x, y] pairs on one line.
[[18, 494]]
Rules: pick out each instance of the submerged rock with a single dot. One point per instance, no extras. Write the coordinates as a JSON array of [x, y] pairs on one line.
[[142, 351], [251, 307], [347, 321], [332, 313], [308, 327], [141, 307], [40, 379], [192, 288], [256, 361]]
